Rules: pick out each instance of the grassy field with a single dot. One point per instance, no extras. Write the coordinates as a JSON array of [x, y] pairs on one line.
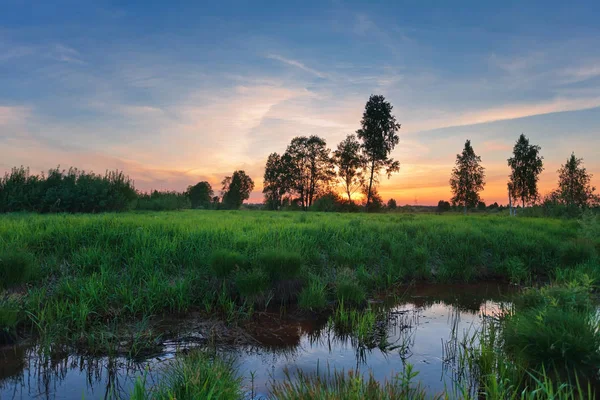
[[95, 281]]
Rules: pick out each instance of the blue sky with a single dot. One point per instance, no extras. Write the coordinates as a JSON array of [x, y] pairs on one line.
[[176, 93]]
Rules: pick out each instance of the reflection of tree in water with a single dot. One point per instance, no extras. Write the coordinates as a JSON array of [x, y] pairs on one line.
[[468, 298], [40, 374]]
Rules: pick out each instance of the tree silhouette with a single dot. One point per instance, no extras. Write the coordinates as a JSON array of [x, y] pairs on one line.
[[468, 178], [308, 168], [378, 135], [526, 165], [350, 164], [276, 180], [574, 183], [236, 189], [200, 194]]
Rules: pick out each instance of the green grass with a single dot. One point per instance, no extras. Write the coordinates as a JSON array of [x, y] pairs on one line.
[[94, 272], [197, 375], [555, 329], [16, 267], [348, 386]]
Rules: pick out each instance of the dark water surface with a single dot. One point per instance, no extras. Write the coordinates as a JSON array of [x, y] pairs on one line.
[[422, 330]]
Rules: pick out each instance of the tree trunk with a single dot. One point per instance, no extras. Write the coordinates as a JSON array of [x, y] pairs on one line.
[[465, 209], [370, 184]]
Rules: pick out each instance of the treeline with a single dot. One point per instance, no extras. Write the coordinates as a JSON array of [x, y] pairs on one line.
[[574, 191], [77, 191]]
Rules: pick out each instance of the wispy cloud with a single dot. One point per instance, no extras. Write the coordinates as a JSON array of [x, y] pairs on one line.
[[297, 64], [66, 54]]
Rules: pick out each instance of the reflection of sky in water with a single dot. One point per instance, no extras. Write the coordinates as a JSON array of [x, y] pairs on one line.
[[431, 326], [431, 322]]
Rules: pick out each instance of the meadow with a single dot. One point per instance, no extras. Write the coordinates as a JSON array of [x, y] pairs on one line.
[[97, 282]]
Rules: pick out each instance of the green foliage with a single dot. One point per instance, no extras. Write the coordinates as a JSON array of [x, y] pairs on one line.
[[197, 375], [515, 269], [555, 329], [65, 191], [162, 201], [224, 262], [348, 290], [391, 204], [350, 385], [9, 320], [576, 251], [574, 184], [313, 296], [280, 264], [16, 267], [251, 284]]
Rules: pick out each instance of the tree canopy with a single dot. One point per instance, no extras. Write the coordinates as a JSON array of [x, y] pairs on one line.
[[526, 165], [468, 178], [378, 134], [574, 183], [200, 194], [350, 164], [236, 189]]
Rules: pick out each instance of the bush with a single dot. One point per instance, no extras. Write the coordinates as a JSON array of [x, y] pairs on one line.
[[16, 267], [280, 264], [224, 262], [391, 204], [69, 190], [348, 290], [314, 296]]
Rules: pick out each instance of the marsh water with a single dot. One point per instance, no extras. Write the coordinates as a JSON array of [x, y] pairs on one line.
[[423, 327]]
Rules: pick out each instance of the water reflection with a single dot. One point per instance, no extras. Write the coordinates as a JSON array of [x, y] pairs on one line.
[[424, 328]]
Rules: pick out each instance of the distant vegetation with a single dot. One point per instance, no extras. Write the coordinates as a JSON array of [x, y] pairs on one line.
[[307, 176]]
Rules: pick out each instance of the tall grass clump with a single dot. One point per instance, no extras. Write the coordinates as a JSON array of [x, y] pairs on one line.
[[280, 264], [313, 296], [197, 375], [9, 320], [16, 267], [224, 262], [252, 285], [348, 290], [348, 385], [555, 329]]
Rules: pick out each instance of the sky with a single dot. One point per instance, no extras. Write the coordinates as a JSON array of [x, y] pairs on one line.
[[174, 93]]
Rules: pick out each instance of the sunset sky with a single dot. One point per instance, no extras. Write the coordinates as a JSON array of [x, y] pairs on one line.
[[177, 92]]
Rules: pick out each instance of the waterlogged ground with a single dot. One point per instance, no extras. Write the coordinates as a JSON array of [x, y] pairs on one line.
[[423, 329]]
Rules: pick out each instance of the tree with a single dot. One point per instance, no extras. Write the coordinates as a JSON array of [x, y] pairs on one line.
[[236, 189], [350, 164], [526, 165], [391, 204], [276, 180], [378, 135], [574, 184], [443, 206], [308, 168], [468, 178], [200, 194]]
